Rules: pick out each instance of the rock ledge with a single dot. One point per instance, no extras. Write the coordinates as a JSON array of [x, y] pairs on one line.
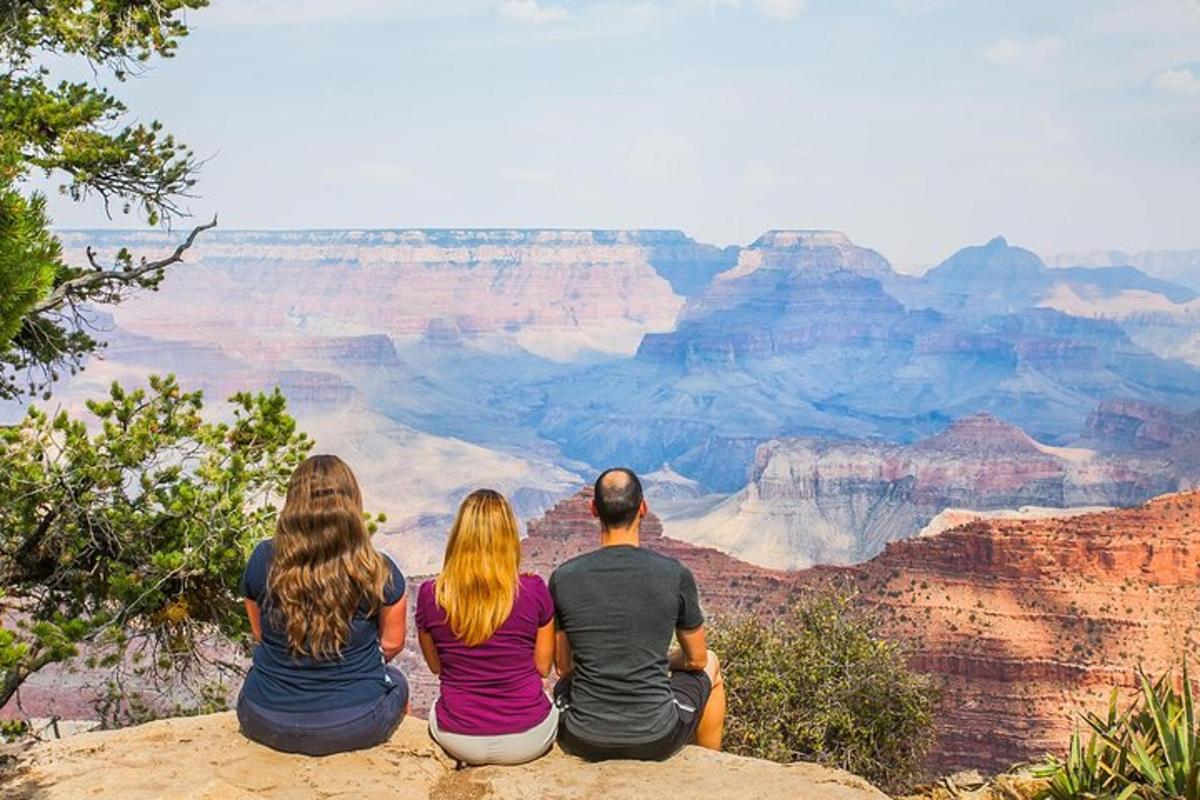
[[205, 758]]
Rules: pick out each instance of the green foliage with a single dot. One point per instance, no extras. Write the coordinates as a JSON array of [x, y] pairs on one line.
[[1150, 751], [136, 528], [77, 132], [12, 729], [819, 684]]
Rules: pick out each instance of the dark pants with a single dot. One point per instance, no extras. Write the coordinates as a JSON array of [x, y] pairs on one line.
[[319, 733], [691, 691]]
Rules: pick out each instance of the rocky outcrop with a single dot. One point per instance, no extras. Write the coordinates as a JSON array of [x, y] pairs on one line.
[[839, 502], [206, 758], [1029, 621], [1129, 426]]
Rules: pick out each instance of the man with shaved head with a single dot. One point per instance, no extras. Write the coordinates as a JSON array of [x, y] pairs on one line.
[[622, 692]]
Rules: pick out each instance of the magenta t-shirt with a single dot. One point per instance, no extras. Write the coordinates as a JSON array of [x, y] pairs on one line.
[[492, 688]]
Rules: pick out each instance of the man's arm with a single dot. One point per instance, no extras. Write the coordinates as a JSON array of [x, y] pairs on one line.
[[692, 653], [564, 659]]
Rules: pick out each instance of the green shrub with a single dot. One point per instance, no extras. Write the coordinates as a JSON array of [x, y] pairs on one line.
[[818, 683], [1150, 751]]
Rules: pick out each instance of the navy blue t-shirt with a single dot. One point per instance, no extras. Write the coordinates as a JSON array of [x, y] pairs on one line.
[[282, 681]]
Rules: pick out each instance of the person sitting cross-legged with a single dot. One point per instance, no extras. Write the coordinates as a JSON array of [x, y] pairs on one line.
[[621, 694], [487, 632], [328, 612]]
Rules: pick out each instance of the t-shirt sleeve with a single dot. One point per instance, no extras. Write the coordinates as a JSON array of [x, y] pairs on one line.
[[393, 591], [545, 603], [690, 614], [254, 578]]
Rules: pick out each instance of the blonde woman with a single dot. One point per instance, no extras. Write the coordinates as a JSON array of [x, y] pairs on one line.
[[487, 632], [328, 612]]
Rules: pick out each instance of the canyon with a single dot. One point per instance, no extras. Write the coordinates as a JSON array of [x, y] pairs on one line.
[[439, 360]]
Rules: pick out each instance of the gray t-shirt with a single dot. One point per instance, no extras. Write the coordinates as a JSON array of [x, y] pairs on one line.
[[619, 607]]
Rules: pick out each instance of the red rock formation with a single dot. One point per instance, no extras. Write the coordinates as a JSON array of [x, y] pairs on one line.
[[1029, 621]]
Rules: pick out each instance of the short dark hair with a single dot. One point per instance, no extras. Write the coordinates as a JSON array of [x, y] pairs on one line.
[[618, 499]]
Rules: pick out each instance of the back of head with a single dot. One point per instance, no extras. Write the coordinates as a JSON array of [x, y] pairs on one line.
[[618, 497], [324, 568], [479, 577]]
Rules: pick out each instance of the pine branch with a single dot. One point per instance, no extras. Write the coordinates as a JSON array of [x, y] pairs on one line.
[[71, 291]]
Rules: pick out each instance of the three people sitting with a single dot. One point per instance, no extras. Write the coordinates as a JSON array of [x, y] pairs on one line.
[[329, 613]]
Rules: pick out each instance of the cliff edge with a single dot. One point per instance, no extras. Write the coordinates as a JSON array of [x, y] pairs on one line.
[[205, 758]]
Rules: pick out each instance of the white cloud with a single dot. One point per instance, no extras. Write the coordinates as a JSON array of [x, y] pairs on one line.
[[1178, 81], [780, 9], [1022, 51], [528, 12]]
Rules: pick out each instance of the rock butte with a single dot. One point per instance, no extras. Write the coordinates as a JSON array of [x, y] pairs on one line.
[[205, 758]]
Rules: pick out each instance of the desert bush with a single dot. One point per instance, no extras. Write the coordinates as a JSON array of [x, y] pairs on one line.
[[818, 683], [1149, 751]]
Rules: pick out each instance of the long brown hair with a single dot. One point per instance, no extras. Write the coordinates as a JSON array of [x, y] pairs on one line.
[[324, 568], [479, 578]]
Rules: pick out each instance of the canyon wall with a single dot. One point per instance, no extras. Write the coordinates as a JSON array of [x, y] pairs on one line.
[[1029, 622], [839, 502]]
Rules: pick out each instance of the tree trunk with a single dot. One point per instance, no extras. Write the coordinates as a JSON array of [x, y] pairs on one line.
[[12, 678]]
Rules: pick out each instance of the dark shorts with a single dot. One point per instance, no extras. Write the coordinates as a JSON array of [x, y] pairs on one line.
[[691, 690], [319, 733]]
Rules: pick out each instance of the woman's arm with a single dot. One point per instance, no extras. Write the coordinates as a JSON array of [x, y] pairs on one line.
[[255, 617], [564, 660], [543, 649], [393, 628], [429, 650]]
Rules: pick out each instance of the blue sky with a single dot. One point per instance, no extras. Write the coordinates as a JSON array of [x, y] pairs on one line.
[[916, 126]]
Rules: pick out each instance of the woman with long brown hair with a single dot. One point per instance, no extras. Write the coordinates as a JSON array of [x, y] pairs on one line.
[[487, 632], [328, 612]]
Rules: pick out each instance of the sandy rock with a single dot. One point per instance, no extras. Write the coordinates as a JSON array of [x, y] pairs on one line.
[[205, 758]]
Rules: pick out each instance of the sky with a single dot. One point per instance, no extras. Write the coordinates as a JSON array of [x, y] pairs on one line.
[[915, 126]]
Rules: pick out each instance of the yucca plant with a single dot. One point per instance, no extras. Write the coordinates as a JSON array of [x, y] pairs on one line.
[[1166, 748], [1094, 770], [1151, 751]]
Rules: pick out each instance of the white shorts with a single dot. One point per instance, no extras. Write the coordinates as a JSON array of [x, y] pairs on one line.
[[507, 748]]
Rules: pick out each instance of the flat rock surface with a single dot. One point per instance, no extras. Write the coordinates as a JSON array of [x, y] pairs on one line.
[[205, 758]]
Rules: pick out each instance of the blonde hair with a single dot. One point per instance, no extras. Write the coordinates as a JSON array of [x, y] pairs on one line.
[[479, 578], [324, 568]]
